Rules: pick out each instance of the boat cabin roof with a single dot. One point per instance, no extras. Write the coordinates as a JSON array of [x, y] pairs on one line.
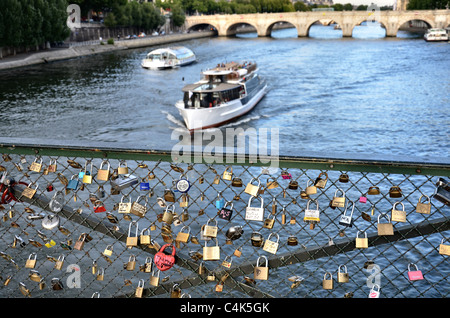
[[208, 88], [175, 50], [242, 68]]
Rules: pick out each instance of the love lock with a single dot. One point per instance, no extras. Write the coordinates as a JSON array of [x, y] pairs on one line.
[[57, 202], [50, 221]]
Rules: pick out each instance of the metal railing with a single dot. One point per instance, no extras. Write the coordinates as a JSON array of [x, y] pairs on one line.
[[66, 224]]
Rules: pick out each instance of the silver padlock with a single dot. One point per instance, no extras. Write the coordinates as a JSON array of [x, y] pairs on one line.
[[347, 220], [124, 181], [50, 221]]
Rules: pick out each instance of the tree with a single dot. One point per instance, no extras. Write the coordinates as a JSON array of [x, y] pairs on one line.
[[348, 7]]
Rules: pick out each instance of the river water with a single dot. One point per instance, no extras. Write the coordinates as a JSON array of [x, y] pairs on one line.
[[327, 94]]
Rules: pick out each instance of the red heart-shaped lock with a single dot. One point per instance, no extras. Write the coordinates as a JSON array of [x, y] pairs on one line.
[[165, 261]]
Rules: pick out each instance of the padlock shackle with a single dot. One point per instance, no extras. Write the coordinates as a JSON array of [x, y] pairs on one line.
[[265, 258], [129, 227], [261, 199], [346, 207], [365, 234], [166, 246], [339, 190], [344, 266], [398, 202], [409, 265], [314, 201]]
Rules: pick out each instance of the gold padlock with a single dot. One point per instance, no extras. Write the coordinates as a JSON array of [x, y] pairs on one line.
[[424, 208], [361, 242], [338, 202], [343, 276], [31, 261], [268, 223], [236, 182], [36, 166], [154, 278], [395, 192], [228, 173], [59, 262], [373, 190], [398, 215], [131, 265], [271, 184], [145, 239], [261, 272], [139, 289], [310, 189], [252, 189], [444, 249], [327, 283], [321, 183], [210, 230], [271, 246], [122, 168], [344, 178], [211, 253], [132, 240], [108, 250], [183, 236], [385, 228], [103, 174]]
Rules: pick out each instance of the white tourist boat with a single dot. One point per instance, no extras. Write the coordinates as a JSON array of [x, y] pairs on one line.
[[225, 93], [171, 57], [436, 35]]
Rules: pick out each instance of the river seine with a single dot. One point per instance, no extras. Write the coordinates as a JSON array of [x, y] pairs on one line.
[[327, 94]]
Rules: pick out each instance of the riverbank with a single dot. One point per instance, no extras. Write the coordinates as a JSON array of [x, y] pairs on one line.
[[59, 54]]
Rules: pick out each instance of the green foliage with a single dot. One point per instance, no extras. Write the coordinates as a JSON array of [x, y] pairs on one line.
[[427, 4], [33, 22], [110, 41], [142, 15]]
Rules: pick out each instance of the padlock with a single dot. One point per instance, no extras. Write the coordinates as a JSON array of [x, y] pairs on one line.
[[52, 166], [254, 213], [272, 184], [59, 262], [227, 261], [285, 175], [444, 249], [321, 183], [292, 240], [363, 199], [374, 291], [122, 182], [169, 196], [56, 284], [139, 289], [385, 228], [271, 246], [184, 200], [424, 207], [29, 192], [361, 242], [144, 185], [57, 202], [373, 190], [154, 278], [99, 207], [228, 173], [168, 215], [35, 276], [293, 185], [87, 176], [148, 265], [137, 208], [237, 182], [342, 276], [183, 236], [237, 252], [398, 215], [442, 192], [344, 178], [219, 287], [252, 189], [50, 221], [100, 274], [103, 174], [226, 212], [338, 202], [108, 250], [183, 185], [41, 284], [36, 166], [165, 261], [327, 283], [131, 264], [274, 206], [124, 207], [24, 290], [414, 275], [310, 189], [145, 239], [175, 292], [347, 220], [312, 215], [210, 230], [132, 240], [79, 244], [261, 272], [234, 232], [122, 168], [73, 183], [395, 192], [211, 253], [269, 222], [283, 215], [220, 201], [31, 261]]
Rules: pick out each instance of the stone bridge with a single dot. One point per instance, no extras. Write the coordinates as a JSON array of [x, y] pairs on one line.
[[226, 24]]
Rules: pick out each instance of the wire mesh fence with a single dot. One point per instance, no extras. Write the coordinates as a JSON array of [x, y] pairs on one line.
[[89, 223]]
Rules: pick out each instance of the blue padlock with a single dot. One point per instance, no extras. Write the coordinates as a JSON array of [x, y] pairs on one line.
[[144, 186], [220, 202], [73, 183]]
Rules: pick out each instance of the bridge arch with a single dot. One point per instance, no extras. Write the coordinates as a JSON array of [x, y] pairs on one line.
[[202, 26], [268, 30], [383, 23], [429, 22], [310, 23], [231, 29]]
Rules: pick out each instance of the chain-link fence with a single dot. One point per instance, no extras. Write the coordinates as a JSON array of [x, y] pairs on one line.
[[88, 222]]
